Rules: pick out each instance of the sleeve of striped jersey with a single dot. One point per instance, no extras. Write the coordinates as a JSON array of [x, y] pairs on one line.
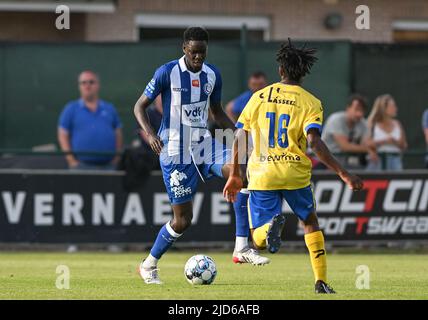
[[216, 93], [314, 119], [157, 84]]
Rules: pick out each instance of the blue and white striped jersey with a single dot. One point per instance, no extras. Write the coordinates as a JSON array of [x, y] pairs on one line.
[[186, 98]]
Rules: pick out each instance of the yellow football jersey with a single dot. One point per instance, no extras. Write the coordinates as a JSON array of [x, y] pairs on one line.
[[278, 118]]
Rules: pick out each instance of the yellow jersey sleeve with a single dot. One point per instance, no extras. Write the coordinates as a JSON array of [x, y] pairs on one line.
[[244, 120], [314, 118]]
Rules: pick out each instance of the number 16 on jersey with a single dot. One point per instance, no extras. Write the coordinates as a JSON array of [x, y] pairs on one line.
[[282, 128]]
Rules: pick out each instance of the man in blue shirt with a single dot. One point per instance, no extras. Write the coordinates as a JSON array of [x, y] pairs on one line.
[[190, 89], [256, 82], [90, 124]]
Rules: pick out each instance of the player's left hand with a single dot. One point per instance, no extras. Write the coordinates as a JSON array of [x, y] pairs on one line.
[[232, 187]]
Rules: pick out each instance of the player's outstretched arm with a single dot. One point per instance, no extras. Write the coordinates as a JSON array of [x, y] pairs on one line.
[[239, 149], [142, 118], [323, 153]]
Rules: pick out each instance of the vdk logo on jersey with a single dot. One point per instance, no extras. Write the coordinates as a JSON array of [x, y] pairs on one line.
[[197, 112], [176, 186], [193, 114]]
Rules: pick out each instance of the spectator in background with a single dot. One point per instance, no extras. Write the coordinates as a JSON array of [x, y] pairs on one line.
[[256, 82], [90, 124], [233, 109], [347, 132], [425, 128], [387, 134]]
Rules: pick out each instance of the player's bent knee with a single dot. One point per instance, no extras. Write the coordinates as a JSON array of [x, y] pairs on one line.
[[179, 225], [311, 223], [259, 237]]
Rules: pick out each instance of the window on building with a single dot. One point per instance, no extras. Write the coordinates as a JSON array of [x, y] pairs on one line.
[[159, 26], [410, 31], [147, 33]]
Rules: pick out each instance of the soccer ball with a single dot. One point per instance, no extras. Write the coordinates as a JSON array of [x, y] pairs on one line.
[[200, 269]]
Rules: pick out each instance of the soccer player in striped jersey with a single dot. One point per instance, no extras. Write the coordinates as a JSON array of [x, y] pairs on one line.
[[282, 119], [189, 88]]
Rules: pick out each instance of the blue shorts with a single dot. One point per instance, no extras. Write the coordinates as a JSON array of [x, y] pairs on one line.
[[181, 180], [265, 204]]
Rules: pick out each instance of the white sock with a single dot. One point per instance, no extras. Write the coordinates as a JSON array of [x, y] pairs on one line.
[[150, 262], [241, 243]]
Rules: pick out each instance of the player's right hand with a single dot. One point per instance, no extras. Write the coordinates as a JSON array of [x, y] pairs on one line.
[[155, 143], [352, 181], [232, 187]]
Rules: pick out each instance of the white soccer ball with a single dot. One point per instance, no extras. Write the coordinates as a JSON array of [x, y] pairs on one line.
[[200, 269]]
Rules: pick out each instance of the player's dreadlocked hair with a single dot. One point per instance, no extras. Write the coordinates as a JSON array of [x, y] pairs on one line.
[[297, 62], [196, 34]]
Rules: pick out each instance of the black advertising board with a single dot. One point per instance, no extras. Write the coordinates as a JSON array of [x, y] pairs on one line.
[[66, 207]]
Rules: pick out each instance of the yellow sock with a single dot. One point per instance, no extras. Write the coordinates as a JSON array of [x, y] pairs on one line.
[[315, 243], [259, 236]]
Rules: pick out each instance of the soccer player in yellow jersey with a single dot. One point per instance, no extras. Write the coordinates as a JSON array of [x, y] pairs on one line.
[[282, 119]]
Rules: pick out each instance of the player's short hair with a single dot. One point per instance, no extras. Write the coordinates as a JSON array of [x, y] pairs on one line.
[[258, 74], [297, 62], [195, 34], [357, 97]]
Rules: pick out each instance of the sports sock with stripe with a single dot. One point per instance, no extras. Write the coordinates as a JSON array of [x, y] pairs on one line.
[[164, 240]]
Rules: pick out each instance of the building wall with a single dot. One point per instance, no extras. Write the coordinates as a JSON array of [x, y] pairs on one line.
[[301, 19], [40, 26], [117, 26]]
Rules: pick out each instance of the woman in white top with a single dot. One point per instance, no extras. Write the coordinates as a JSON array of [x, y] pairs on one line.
[[387, 133]]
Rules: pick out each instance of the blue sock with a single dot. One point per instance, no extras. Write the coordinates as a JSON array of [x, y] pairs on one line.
[[166, 237], [241, 214]]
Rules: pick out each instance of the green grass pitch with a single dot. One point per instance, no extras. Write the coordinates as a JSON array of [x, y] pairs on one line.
[[26, 275]]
